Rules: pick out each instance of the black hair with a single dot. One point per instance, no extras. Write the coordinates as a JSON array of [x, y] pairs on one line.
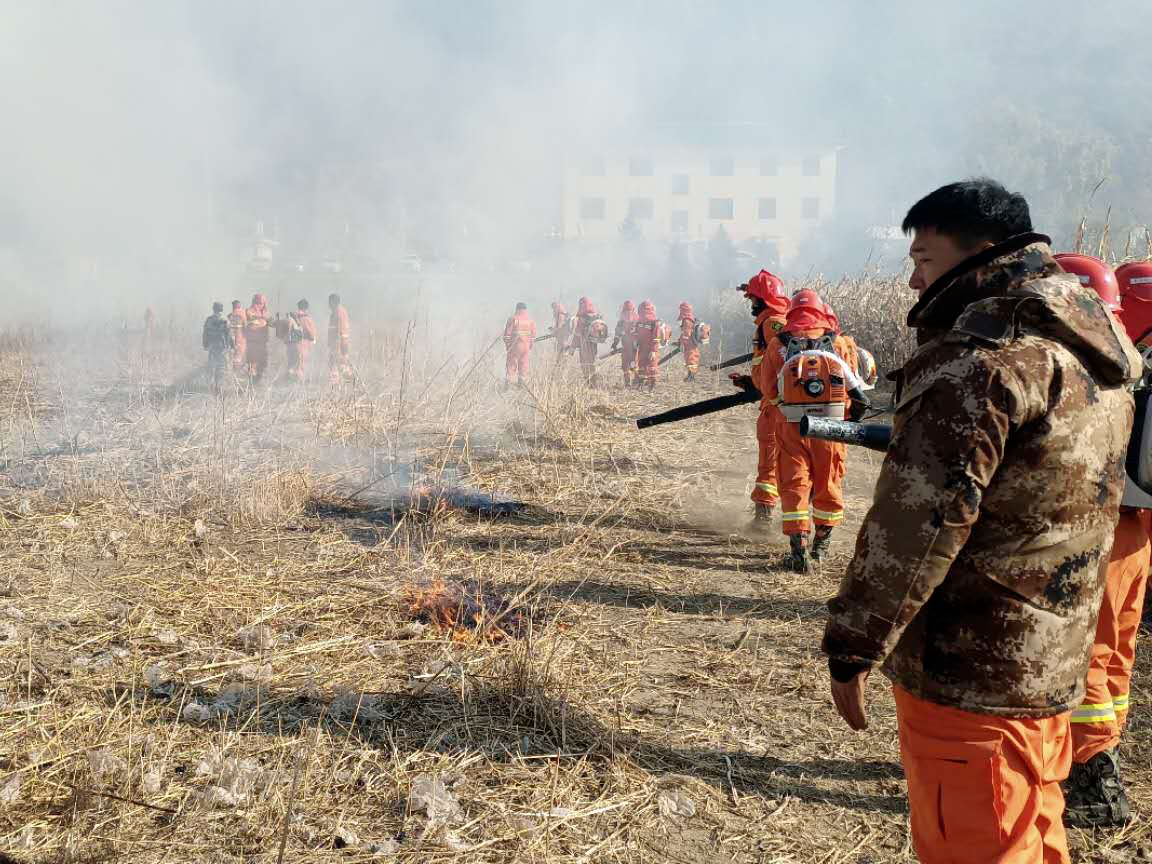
[[303, 304], [334, 298], [521, 306], [971, 212], [217, 307]]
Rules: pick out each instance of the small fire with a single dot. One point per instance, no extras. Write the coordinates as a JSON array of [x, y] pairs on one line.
[[468, 610]]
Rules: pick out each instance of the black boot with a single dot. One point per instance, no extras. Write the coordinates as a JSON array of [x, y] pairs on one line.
[[761, 519], [799, 560], [691, 376], [821, 542], [1094, 795]]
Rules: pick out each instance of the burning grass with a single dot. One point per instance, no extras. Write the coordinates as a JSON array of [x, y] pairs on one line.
[[221, 661]]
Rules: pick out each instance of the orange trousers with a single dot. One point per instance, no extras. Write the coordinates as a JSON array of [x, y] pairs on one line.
[[1098, 722], [983, 789], [516, 363], [811, 473], [691, 352], [765, 491]]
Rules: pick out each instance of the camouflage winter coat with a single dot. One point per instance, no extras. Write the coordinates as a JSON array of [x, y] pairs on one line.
[[979, 569]]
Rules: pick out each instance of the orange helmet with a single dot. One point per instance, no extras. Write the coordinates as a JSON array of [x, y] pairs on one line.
[[1095, 274], [586, 307], [806, 312], [769, 288], [1135, 279], [647, 311], [686, 312]]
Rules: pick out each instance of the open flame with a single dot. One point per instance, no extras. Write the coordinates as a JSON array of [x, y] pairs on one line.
[[468, 610]]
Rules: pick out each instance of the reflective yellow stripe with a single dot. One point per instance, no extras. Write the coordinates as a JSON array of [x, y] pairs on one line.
[[1088, 712], [767, 487], [1120, 703], [828, 515], [795, 516], [756, 361]]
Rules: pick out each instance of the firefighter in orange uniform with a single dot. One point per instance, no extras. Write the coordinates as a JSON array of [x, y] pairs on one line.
[[769, 305], [688, 345], [590, 331], [809, 371], [625, 340], [651, 334], [339, 334], [519, 334], [256, 337], [562, 327], [236, 321], [1094, 794], [298, 341]]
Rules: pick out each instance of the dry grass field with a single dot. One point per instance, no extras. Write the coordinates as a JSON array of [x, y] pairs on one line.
[[417, 619]]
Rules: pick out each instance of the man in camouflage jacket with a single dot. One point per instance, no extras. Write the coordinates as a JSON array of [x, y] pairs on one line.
[[978, 571]]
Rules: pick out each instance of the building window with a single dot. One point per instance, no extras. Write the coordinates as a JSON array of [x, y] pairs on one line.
[[592, 208], [724, 166], [679, 222], [769, 166], [594, 167], [811, 166], [767, 208], [810, 208], [680, 184], [641, 208], [640, 166], [720, 208]]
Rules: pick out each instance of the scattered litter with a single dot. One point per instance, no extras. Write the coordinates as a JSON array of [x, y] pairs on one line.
[[105, 766], [382, 849], [234, 779], [199, 529], [10, 789], [674, 804], [560, 813], [344, 838], [24, 507], [430, 796], [68, 523], [194, 712], [412, 630], [167, 637], [381, 650], [256, 638], [254, 672], [9, 632], [116, 536], [348, 706], [151, 783], [159, 680]]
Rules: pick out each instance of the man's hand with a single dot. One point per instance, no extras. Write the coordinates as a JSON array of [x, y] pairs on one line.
[[850, 701], [741, 382]]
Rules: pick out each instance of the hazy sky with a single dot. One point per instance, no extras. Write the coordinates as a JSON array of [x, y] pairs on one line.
[[142, 138]]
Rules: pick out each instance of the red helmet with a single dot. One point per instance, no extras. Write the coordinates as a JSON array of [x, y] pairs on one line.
[[769, 288], [647, 311], [1135, 277], [1135, 280], [686, 312], [1095, 274], [806, 312], [832, 319]]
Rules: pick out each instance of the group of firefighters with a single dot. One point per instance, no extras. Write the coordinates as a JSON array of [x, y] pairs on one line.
[[640, 338], [240, 340], [804, 365]]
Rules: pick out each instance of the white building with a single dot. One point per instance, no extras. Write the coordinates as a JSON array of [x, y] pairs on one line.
[[684, 182]]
